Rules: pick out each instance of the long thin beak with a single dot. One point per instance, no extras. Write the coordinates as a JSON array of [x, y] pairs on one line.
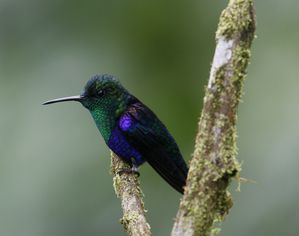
[[78, 98]]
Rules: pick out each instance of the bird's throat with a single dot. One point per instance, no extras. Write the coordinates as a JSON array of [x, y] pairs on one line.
[[105, 121], [106, 114]]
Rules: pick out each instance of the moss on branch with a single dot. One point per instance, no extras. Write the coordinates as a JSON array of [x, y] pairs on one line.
[[127, 188], [206, 199]]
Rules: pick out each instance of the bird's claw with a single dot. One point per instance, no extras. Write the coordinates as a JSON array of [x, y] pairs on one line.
[[129, 171]]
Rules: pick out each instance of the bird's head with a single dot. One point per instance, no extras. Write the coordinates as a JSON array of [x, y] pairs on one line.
[[101, 91]]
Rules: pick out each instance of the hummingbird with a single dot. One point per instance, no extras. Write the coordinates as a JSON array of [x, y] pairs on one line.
[[131, 129]]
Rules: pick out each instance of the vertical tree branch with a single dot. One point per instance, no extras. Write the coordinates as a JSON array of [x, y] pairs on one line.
[[206, 199], [127, 189]]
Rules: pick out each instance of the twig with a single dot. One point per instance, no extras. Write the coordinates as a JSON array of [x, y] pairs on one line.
[[127, 189], [206, 199]]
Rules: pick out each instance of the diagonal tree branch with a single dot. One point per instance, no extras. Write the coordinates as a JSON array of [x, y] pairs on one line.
[[206, 199], [128, 190]]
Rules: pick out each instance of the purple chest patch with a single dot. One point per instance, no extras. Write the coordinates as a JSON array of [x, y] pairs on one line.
[[119, 145], [125, 122]]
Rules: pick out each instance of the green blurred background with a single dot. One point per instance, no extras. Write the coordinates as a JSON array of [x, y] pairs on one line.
[[54, 166]]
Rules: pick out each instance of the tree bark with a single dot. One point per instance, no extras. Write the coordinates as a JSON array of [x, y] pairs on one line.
[[206, 199], [126, 186]]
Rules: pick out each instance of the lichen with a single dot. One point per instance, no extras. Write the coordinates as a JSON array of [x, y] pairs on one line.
[[235, 18], [127, 219], [214, 161], [127, 188]]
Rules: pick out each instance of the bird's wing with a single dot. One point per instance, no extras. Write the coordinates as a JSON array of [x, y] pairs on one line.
[[149, 136]]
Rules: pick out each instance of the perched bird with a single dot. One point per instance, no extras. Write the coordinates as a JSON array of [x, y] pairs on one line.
[[131, 130]]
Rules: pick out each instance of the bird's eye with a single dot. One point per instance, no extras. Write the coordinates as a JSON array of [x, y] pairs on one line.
[[100, 93]]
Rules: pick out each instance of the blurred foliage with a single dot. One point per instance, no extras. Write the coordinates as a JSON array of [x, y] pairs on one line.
[[54, 166]]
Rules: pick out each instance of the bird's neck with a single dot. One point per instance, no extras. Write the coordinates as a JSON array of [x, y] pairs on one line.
[[106, 116], [105, 122]]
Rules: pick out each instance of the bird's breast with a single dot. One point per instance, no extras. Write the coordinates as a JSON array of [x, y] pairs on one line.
[[120, 146]]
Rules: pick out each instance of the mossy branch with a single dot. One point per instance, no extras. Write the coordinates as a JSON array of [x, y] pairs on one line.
[[127, 189], [206, 199]]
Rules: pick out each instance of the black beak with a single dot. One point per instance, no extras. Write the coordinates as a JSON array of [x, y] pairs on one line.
[[78, 98]]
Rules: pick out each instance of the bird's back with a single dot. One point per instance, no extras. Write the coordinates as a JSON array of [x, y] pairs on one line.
[[149, 136]]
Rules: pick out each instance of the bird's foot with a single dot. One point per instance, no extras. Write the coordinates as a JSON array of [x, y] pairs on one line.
[[132, 170]]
